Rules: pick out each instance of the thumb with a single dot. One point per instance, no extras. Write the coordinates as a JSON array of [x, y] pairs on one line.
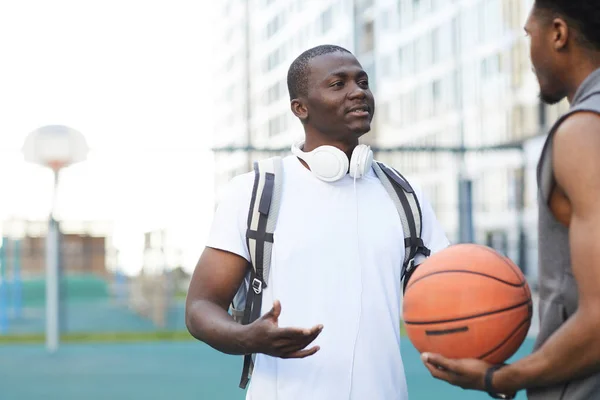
[[275, 311]]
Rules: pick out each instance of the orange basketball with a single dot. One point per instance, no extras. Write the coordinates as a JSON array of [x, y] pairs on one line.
[[468, 301]]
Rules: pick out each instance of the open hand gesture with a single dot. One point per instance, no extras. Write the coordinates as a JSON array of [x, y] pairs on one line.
[[266, 337]]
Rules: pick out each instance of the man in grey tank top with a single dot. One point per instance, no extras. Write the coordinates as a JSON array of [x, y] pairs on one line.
[[565, 364]]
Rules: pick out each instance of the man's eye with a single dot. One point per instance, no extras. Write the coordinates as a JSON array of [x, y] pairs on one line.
[[338, 84]]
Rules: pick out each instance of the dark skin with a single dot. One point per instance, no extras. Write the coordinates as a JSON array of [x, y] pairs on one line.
[[336, 85], [573, 351], [214, 284]]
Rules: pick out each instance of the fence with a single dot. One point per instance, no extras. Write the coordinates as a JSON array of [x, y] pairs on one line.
[[96, 299]]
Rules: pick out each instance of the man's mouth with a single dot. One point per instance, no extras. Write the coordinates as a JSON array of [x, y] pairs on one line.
[[359, 111]]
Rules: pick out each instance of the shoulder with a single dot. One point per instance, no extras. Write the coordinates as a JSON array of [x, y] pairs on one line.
[[242, 185], [409, 182], [580, 127], [237, 190], [575, 150], [577, 140]]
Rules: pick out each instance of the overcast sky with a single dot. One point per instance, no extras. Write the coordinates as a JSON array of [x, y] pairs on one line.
[[133, 77]]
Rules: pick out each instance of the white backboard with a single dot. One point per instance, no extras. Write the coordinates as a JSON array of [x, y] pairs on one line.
[[55, 146]]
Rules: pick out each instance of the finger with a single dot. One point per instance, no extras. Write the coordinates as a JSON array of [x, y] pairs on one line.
[[298, 333], [439, 373], [302, 353], [439, 361], [290, 346], [299, 342]]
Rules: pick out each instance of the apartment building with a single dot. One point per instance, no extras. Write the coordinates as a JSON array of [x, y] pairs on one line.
[[231, 70], [457, 74]]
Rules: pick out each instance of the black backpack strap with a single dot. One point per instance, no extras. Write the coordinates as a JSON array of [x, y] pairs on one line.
[[409, 210], [262, 217]]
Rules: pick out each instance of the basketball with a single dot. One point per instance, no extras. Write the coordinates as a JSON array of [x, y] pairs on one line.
[[468, 301]]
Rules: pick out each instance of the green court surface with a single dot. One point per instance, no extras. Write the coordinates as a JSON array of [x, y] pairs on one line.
[[162, 370]]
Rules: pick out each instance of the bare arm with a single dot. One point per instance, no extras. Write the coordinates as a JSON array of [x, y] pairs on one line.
[[574, 350], [213, 286], [214, 283]]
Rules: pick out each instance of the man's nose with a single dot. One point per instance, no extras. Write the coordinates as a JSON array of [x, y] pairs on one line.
[[357, 92]]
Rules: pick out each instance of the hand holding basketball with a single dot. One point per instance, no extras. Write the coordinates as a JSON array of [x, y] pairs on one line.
[[465, 373], [468, 301]]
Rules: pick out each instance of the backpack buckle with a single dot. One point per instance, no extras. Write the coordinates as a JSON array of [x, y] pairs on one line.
[[410, 266], [257, 285]]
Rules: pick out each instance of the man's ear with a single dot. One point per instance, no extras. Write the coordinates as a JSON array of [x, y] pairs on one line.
[[299, 109], [560, 33]]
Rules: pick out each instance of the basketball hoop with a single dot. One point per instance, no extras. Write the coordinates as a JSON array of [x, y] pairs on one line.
[[55, 147], [55, 165]]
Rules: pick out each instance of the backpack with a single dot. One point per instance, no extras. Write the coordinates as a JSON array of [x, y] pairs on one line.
[[262, 217]]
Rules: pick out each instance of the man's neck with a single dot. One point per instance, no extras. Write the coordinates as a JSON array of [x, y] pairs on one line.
[[347, 146]]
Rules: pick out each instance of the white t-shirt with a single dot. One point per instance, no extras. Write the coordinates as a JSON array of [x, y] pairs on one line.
[[336, 261]]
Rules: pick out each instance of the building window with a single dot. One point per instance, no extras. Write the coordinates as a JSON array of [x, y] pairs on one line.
[[490, 66], [367, 42], [436, 92], [326, 20], [230, 63], [274, 25], [454, 34], [384, 113], [435, 45], [275, 58], [274, 93], [385, 66], [229, 93], [401, 61], [385, 20], [278, 124], [482, 21]]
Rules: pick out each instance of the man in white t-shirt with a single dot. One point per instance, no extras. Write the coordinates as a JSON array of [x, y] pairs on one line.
[[330, 324]]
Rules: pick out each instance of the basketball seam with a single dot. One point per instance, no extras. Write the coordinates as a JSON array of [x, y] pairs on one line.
[[506, 339], [468, 272], [504, 258], [526, 303], [510, 264], [438, 332]]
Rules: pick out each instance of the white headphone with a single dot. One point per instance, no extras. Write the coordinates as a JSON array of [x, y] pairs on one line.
[[330, 164]]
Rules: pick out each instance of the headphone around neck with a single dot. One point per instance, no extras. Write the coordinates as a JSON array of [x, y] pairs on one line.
[[330, 164]]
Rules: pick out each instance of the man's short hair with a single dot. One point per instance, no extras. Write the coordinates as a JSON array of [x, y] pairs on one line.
[[297, 78], [583, 15]]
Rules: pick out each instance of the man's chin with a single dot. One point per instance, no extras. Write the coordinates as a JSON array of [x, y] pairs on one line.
[[550, 99], [360, 129]]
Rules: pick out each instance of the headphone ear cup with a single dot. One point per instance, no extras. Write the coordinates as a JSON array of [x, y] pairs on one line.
[[328, 163], [360, 163]]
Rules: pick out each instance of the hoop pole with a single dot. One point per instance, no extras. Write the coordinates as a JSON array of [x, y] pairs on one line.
[[3, 290], [52, 293], [17, 282]]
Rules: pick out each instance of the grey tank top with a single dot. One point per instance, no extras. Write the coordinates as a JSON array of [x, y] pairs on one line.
[[558, 288]]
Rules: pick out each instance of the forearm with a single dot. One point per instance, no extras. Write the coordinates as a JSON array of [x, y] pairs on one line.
[[212, 325], [572, 352]]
